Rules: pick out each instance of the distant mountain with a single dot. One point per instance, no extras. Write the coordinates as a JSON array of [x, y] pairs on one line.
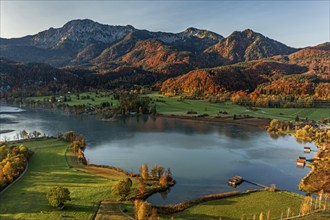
[[61, 45], [105, 48], [78, 42], [245, 46]]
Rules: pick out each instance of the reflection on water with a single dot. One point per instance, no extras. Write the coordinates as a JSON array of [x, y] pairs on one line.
[[202, 155]]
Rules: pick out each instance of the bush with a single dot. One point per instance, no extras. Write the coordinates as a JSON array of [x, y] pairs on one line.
[[122, 188], [58, 195]]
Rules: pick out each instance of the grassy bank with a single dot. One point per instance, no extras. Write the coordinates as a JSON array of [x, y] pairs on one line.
[[94, 99], [173, 105], [245, 205], [48, 167]]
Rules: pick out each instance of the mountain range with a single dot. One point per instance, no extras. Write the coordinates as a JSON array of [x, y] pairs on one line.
[[88, 43], [193, 61]]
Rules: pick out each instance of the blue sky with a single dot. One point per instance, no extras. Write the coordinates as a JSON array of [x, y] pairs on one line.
[[295, 23]]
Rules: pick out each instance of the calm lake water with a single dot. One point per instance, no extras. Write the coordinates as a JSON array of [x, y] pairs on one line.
[[202, 155]]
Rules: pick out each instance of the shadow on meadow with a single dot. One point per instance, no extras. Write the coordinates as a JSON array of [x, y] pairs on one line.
[[36, 203]]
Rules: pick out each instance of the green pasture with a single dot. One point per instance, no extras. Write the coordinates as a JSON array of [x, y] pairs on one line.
[[48, 167]]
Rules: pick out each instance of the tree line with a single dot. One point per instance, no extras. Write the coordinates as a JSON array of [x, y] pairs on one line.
[[13, 161]]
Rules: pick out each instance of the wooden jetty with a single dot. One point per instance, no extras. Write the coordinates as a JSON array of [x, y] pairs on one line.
[[256, 184], [235, 181]]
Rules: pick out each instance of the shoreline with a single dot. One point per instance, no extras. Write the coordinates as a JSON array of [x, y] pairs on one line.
[[6, 131], [321, 158], [255, 122]]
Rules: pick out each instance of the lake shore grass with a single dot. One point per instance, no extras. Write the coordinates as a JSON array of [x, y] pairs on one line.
[[175, 106], [48, 167], [246, 205]]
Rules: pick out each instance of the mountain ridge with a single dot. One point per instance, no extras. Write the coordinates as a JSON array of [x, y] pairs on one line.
[[83, 42]]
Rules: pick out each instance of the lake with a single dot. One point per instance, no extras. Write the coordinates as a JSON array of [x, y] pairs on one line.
[[201, 155]]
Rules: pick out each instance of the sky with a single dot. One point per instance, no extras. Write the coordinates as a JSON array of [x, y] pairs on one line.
[[294, 23]]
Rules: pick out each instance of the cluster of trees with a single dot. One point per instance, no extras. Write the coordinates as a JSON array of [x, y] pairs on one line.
[[158, 173], [131, 102], [13, 161], [164, 176], [285, 93], [77, 144], [279, 126], [308, 133], [25, 135]]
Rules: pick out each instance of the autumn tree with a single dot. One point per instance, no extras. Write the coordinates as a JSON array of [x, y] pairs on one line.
[[58, 195], [122, 188], [141, 186], [144, 210], [306, 206], [69, 136], [154, 171], [160, 171], [24, 134], [163, 180], [36, 134], [8, 171], [144, 171]]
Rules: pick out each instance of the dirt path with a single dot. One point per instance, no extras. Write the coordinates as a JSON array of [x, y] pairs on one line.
[[110, 210]]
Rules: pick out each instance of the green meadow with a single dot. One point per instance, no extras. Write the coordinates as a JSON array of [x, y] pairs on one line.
[[48, 167], [244, 206], [175, 106]]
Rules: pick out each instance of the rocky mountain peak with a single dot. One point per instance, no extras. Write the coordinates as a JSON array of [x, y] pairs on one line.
[[83, 31], [201, 33]]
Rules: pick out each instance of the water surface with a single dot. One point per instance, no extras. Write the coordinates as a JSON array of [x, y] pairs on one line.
[[202, 155]]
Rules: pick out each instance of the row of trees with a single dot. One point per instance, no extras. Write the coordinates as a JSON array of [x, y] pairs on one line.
[[277, 101], [164, 176], [157, 173], [77, 144], [13, 161], [24, 135]]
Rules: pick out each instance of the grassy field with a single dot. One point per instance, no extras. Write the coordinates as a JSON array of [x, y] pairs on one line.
[[93, 100], [26, 199], [172, 105], [245, 205]]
